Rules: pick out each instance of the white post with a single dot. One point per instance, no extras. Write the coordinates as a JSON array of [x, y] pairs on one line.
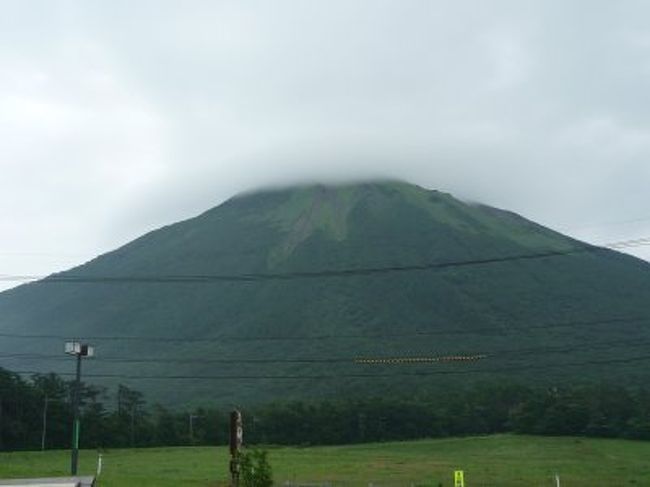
[[557, 480], [99, 465]]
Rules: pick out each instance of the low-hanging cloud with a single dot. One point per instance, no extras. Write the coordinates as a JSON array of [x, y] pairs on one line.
[[119, 117]]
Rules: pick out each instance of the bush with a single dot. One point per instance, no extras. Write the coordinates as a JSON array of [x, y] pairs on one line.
[[255, 469]]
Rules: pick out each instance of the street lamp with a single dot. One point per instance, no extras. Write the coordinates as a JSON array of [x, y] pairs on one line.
[[79, 350]]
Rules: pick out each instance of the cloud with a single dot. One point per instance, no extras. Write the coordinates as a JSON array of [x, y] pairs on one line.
[[119, 117]]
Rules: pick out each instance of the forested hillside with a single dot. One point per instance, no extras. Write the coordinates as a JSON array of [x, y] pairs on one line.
[[323, 291]]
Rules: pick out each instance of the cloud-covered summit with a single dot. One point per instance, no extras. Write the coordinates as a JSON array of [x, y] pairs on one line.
[[119, 117]]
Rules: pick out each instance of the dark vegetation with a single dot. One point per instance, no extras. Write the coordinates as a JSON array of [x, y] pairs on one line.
[[255, 469], [599, 411]]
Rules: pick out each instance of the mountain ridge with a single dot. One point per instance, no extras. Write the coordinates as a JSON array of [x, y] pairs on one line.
[[319, 227]]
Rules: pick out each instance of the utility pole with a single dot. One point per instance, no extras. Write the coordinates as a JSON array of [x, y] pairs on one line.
[[45, 401], [133, 425], [79, 350]]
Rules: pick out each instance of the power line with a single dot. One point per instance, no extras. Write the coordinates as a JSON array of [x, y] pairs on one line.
[[604, 224], [414, 333], [359, 359], [517, 368], [638, 242], [257, 277], [349, 272], [353, 360]]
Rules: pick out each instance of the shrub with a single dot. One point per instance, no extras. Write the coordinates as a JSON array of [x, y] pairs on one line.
[[255, 469]]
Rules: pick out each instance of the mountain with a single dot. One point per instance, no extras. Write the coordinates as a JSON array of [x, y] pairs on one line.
[[280, 290]]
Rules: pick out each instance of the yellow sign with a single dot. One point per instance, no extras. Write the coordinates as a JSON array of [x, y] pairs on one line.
[[459, 478]]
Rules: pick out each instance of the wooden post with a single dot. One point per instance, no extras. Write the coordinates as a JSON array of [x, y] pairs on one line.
[[44, 432], [236, 440]]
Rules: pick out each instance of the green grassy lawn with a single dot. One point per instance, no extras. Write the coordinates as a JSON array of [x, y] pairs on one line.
[[501, 460]]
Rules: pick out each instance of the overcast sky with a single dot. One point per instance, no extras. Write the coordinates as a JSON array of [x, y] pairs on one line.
[[117, 117]]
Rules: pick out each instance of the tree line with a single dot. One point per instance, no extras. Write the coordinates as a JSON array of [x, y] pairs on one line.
[[36, 413]]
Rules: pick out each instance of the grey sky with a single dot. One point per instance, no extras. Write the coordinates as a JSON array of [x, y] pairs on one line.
[[117, 117]]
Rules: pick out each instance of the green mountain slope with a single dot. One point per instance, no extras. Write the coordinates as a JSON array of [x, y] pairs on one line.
[[526, 316]]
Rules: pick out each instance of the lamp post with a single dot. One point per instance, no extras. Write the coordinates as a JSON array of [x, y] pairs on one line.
[[79, 350]]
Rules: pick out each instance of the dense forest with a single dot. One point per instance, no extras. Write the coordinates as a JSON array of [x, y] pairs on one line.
[[28, 408]]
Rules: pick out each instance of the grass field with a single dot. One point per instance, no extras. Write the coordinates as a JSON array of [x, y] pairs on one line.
[[501, 460]]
